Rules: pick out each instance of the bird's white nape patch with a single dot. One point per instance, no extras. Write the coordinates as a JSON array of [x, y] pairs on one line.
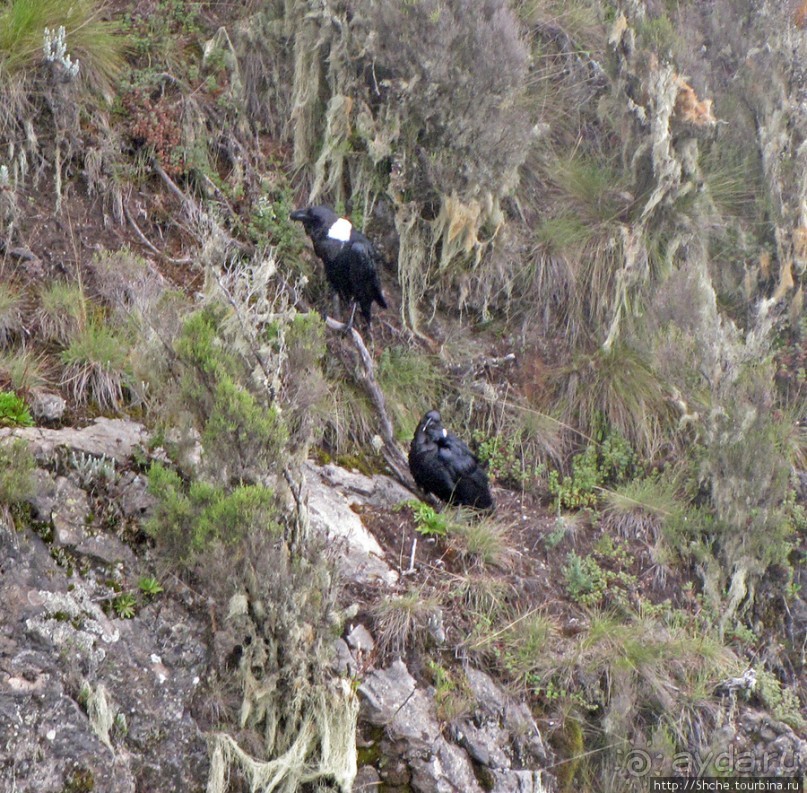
[[340, 230], [445, 432]]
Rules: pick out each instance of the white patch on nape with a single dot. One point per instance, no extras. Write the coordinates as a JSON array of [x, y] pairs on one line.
[[340, 230], [445, 432]]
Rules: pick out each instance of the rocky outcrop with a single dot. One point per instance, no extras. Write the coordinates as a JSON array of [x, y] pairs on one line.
[[87, 701], [115, 439], [497, 747], [332, 494], [90, 700]]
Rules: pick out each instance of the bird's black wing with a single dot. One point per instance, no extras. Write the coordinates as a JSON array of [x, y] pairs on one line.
[[470, 482], [365, 285], [456, 456]]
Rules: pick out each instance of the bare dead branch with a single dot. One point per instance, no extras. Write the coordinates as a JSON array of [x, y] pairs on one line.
[[147, 243], [392, 453]]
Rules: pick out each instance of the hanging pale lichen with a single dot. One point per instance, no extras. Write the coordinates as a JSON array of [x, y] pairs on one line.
[[329, 169], [324, 749]]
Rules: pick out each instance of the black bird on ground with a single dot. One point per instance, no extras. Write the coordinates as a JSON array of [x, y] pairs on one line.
[[349, 258], [443, 465]]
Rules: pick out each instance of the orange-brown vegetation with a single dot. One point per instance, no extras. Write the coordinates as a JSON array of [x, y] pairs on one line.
[[690, 109]]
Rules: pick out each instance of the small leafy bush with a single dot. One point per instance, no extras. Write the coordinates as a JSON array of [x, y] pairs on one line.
[[610, 461], [428, 521], [190, 519], [506, 460], [240, 432], [585, 580], [13, 411]]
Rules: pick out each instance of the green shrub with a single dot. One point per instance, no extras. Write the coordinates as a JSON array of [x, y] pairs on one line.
[[508, 460], [609, 460], [241, 433], [585, 580], [428, 521], [190, 519], [13, 411]]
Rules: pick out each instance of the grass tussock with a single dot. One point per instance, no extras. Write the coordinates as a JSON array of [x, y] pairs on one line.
[[620, 387], [12, 308], [23, 369], [91, 39], [481, 541], [403, 622], [95, 366], [62, 311], [641, 507]]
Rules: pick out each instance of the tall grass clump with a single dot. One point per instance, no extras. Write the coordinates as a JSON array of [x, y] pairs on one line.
[[23, 369], [481, 541], [412, 385], [642, 677], [642, 507], [12, 307], [95, 365], [62, 311], [89, 38], [620, 387]]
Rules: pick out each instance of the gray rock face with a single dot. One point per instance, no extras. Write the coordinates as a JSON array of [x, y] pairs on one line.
[[331, 514], [69, 513], [112, 438], [500, 736], [89, 701], [767, 746], [47, 407]]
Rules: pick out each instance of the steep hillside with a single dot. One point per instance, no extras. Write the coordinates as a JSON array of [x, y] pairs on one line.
[[218, 571]]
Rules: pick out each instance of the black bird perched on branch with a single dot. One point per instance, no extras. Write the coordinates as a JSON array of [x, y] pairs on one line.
[[349, 258], [443, 465]]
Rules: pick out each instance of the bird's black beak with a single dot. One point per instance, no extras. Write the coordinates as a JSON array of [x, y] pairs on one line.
[[299, 214]]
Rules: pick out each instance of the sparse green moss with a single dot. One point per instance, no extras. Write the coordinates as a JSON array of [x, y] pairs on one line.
[[16, 472], [79, 780]]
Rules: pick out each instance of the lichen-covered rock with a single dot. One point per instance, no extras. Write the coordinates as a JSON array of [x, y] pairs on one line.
[[330, 513], [89, 701], [69, 513], [500, 736], [115, 439], [47, 406]]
